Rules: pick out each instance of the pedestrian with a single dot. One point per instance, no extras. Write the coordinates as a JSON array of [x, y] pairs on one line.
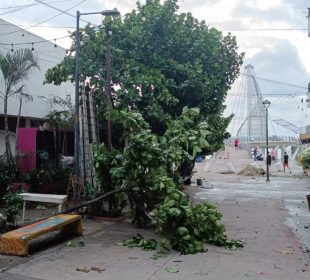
[[236, 142], [268, 159], [255, 152], [285, 162], [273, 155]]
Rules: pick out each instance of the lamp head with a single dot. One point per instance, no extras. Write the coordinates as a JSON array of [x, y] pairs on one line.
[[266, 103], [111, 13]]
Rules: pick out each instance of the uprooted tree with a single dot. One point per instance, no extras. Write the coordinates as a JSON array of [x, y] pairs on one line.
[[170, 76]]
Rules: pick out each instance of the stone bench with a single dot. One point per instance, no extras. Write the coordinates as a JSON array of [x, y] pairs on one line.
[[16, 242]]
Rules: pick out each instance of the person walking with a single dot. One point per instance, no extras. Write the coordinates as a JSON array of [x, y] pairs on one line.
[[273, 154], [255, 153], [236, 142], [285, 162], [268, 158]]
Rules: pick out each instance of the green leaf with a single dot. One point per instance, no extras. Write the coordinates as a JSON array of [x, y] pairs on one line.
[[171, 269]]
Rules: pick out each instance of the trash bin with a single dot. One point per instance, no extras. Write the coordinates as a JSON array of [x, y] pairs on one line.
[[198, 159]]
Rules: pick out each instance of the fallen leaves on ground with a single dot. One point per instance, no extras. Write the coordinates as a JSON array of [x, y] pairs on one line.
[[201, 273], [250, 276], [97, 269], [85, 269], [159, 255], [93, 268], [171, 269], [75, 243]]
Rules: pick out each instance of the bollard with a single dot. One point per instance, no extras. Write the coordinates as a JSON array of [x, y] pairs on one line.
[[308, 199]]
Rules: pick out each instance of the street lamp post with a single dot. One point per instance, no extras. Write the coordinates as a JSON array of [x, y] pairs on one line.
[[266, 104], [77, 85]]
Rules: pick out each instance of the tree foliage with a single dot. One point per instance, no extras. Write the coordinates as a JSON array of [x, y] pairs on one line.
[[15, 68], [170, 76], [162, 61]]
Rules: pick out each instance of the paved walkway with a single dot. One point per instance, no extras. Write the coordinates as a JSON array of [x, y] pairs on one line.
[[271, 218]]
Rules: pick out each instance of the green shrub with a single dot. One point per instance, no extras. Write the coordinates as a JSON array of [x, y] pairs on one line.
[[304, 159], [8, 174], [13, 206], [2, 223], [38, 178]]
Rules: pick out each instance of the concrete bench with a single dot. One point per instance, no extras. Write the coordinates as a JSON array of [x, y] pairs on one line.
[[39, 197], [16, 242]]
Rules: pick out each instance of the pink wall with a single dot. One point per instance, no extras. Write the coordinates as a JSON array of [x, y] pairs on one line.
[[26, 147]]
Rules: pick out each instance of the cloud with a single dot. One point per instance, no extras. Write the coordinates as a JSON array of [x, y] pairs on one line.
[[281, 62]]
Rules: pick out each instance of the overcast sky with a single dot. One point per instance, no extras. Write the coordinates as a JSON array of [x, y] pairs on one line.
[[272, 33]]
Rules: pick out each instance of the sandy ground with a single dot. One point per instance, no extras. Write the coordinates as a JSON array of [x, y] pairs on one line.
[[272, 218]]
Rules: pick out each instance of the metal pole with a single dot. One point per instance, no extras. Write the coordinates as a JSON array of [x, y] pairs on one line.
[[77, 99], [308, 22], [267, 146], [108, 91]]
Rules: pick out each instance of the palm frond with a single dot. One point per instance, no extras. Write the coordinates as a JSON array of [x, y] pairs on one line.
[[16, 67]]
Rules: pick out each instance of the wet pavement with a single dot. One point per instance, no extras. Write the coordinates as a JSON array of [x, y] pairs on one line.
[[271, 218]]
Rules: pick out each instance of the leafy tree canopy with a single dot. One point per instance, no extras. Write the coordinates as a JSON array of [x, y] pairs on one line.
[[162, 61], [170, 76]]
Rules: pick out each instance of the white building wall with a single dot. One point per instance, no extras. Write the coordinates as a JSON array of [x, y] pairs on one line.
[[48, 56]]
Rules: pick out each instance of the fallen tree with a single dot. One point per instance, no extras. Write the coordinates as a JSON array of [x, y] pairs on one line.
[[172, 74]]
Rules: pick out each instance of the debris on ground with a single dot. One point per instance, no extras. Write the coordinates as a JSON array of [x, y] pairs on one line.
[[250, 276], [93, 268], [252, 170], [227, 172], [285, 251], [84, 269], [202, 273], [75, 243], [97, 269], [171, 269], [230, 169], [139, 241], [159, 255]]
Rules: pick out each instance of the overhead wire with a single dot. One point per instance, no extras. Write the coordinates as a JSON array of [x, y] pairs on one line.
[[243, 114], [236, 104], [33, 4], [263, 29], [239, 104], [62, 12], [65, 11], [39, 58], [277, 82], [43, 26]]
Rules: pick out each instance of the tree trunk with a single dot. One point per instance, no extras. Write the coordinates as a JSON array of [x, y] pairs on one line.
[[8, 152], [57, 149], [17, 123], [85, 204]]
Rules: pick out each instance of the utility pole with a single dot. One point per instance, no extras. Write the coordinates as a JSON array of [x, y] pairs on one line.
[[308, 16], [308, 96], [77, 99], [108, 89]]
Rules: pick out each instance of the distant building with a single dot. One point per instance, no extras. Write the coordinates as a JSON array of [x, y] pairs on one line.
[[48, 54]]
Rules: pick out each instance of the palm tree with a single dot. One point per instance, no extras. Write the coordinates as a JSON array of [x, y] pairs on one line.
[[16, 67]]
